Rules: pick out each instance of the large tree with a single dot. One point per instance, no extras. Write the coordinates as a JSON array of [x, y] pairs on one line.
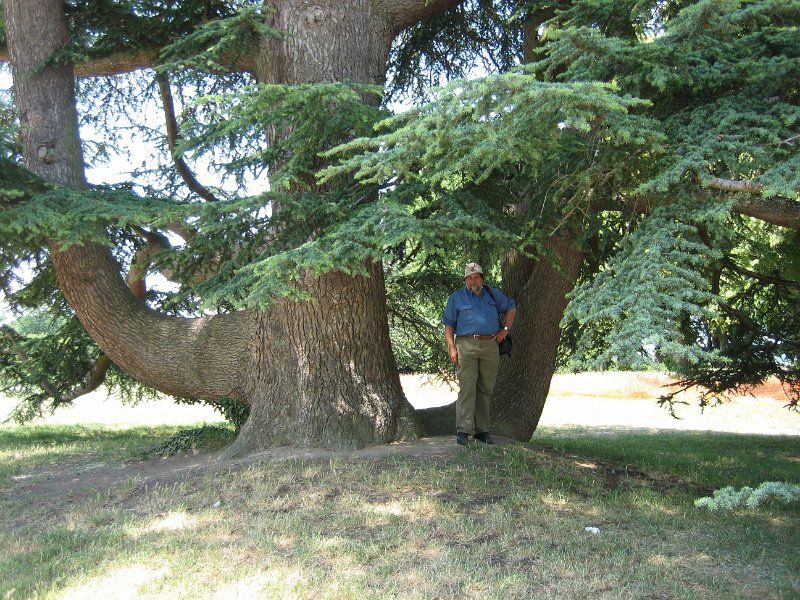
[[648, 152], [638, 155], [313, 372]]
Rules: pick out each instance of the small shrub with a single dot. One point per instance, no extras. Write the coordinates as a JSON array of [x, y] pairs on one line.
[[747, 497]]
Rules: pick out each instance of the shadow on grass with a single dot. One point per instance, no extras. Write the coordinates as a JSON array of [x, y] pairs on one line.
[[503, 522]]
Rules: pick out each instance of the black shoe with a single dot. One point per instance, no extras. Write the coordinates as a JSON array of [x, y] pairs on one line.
[[462, 438], [484, 437]]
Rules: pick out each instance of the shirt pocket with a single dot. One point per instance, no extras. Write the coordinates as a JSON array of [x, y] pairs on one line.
[[467, 316]]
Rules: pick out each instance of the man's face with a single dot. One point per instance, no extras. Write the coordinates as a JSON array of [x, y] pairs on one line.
[[474, 282]]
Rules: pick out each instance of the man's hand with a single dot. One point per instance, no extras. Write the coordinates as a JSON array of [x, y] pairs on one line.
[[453, 352], [449, 332], [500, 335]]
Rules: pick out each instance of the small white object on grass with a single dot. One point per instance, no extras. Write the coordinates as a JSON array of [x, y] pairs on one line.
[[592, 530]]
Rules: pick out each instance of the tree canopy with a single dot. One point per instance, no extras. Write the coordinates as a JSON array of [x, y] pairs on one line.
[[670, 131], [658, 138]]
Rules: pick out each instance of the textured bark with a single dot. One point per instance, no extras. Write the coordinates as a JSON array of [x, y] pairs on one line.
[[327, 377], [195, 358], [319, 373], [46, 102], [784, 212]]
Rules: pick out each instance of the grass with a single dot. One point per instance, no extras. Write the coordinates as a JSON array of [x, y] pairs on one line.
[[706, 458], [490, 522], [37, 446]]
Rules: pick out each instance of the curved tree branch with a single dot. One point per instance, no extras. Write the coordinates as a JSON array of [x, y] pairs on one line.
[[172, 139]]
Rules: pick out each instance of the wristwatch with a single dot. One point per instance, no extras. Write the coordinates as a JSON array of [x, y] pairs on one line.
[[505, 328]]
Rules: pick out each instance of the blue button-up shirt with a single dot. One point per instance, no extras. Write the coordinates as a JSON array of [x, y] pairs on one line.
[[469, 314]]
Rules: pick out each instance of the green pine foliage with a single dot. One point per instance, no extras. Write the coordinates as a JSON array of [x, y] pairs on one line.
[[219, 43], [621, 128], [658, 105], [472, 129], [722, 79], [649, 288]]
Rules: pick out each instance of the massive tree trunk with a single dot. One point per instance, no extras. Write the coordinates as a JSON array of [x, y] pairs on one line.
[[318, 373], [327, 376]]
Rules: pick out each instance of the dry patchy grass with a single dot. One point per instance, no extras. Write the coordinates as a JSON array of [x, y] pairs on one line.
[[504, 522]]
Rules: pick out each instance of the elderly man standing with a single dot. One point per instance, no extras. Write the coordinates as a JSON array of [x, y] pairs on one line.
[[472, 316]]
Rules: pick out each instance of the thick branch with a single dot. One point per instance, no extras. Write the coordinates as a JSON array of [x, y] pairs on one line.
[[405, 13], [196, 358], [121, 63], [732, 185], [775, 211], [136, 277]]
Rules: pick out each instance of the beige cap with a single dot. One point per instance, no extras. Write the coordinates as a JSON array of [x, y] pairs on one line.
[[471, 269]]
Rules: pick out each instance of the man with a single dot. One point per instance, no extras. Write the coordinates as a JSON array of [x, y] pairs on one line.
[[472, 315]]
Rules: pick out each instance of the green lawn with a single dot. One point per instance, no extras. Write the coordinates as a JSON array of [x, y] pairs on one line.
[[500, 522]]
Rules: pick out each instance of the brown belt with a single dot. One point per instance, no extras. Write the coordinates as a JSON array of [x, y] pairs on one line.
[[480, 337]]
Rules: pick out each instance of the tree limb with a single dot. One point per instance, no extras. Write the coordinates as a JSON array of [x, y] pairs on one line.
[[784, 212], [404, 13], [93, 380], [776, 211], [728, 263], [172, 138], [732, 185], [141, 260], [120, 63]]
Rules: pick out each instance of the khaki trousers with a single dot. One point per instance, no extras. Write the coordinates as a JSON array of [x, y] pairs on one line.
[[477, 373]]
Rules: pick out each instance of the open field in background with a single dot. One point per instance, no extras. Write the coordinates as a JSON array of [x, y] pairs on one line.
[[628, 400], [86, 516]]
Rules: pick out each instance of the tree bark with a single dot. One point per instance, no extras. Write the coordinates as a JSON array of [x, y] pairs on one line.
[[524, 377], [319, 373], [46, 101], [328, 376]]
